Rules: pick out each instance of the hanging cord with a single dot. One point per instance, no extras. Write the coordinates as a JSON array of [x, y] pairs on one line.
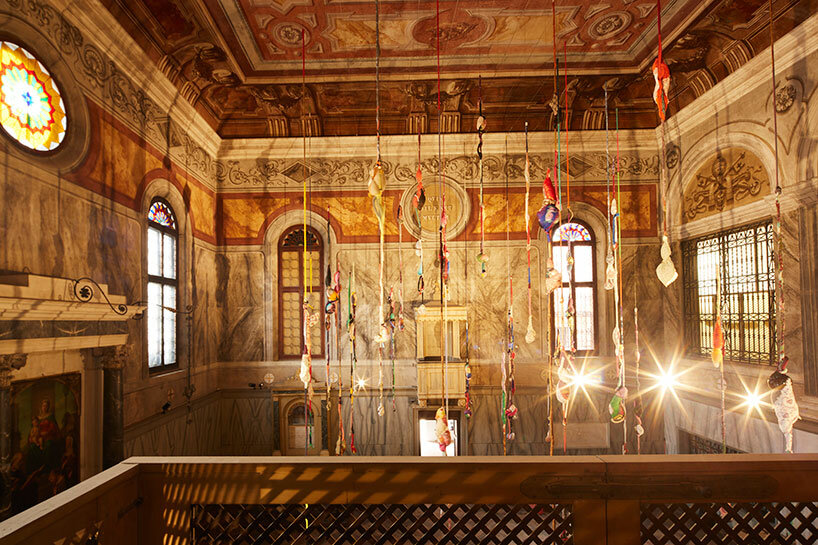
[[482, 258], [444, 434], [784, 403], [391, 319], [637, 410], [309, 319], [329, 310], [610, 271], [567, 129], [400, 324], [666, 270], [620, 294], [352, 305], [529, 335], [340, 446], [418, 200], [779, 296], [376, 190], [504, 373]]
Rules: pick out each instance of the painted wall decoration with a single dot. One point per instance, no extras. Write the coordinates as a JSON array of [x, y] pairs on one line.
[[730, 178], [45, 438]]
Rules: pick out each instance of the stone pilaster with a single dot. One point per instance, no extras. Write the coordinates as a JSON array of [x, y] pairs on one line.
[[276, 426], [112, 360], [8, 363]]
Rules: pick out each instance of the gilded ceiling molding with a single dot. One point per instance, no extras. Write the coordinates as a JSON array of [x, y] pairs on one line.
[[730, 178]]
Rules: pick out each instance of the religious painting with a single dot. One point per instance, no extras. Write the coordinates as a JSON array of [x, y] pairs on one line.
[[45, 439]]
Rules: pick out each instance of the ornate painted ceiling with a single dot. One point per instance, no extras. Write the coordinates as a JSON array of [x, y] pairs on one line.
[[239, 61]]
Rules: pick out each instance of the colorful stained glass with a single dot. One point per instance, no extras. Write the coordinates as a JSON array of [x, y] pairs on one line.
[[31, 108], [573, 232], [162, 214]]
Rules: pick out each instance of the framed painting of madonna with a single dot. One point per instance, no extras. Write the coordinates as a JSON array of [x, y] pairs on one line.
[[45, 438]]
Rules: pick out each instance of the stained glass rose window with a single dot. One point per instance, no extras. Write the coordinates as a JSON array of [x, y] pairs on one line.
[[31, 108]]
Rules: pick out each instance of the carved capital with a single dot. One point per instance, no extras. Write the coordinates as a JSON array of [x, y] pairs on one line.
[[9, 363], [113, 357]]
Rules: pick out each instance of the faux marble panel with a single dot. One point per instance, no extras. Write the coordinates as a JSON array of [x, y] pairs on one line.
[[246, 424], [240, 297], [180, 433]]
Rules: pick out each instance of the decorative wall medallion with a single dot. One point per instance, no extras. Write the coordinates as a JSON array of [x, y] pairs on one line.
[[458, 208], [784, 98], [672, 156], [289, 34], [731, 178], [610, 25]]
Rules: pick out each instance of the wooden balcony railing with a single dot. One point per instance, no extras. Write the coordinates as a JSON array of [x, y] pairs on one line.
[[561, 500]]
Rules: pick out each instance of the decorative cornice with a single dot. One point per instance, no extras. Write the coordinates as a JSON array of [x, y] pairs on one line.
[[790, 49], [354, 173]]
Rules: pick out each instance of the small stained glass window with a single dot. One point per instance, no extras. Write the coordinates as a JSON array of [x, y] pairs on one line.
[[162, 214], [163, 286], [576, 264], [571, 232], [31, 107]]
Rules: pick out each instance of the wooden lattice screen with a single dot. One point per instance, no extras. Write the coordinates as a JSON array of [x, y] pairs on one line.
[[733, 523], [532, 524]]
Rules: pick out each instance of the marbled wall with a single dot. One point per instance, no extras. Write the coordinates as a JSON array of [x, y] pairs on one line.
[[738, 114]]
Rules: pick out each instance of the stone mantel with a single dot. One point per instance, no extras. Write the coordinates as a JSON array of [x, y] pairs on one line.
[[48, 314], [44, 298]]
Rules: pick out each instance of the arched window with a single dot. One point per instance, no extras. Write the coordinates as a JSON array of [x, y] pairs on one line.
[[582, 291], [291, 289], [163, 284], [32, 111]]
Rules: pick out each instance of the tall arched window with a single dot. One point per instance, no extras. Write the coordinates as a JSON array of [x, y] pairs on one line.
[[291, 288], [583, 288], [163, 284]]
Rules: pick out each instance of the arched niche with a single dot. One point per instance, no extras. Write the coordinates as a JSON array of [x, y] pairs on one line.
[[275, 229]]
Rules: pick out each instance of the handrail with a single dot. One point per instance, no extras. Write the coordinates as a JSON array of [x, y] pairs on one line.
[[605, 491]]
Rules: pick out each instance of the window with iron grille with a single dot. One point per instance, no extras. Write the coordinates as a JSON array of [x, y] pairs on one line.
[[738, 264]]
